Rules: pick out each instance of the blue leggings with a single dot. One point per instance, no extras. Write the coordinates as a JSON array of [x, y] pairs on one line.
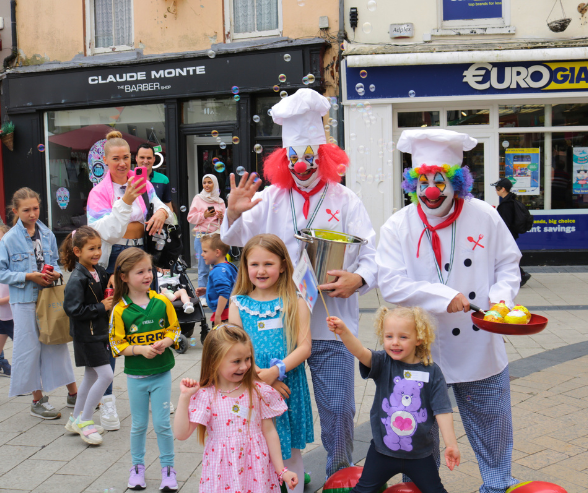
[[141, 390]]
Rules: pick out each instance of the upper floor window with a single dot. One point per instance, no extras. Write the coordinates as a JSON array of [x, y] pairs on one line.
[[111, 25], [252, 18], [467, 13]]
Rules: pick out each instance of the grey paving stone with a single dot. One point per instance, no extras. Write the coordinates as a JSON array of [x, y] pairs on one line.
[[29, 474]]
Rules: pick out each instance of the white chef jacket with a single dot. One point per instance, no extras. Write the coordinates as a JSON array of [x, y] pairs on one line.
[[341, 210], [485, 267]]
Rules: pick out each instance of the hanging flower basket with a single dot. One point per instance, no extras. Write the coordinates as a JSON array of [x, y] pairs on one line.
[[7, 135], [560, 25]]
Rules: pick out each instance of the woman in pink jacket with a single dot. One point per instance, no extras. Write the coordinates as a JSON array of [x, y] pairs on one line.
[[206, 214]]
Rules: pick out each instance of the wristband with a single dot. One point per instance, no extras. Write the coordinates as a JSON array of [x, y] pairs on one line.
[[280, 476], [281, 368], [133, 350]]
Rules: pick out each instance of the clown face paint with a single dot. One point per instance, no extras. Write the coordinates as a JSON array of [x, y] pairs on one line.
[[303, 165], [435, 193]]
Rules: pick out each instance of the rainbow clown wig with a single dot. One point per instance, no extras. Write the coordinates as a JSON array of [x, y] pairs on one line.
[[460, 178]]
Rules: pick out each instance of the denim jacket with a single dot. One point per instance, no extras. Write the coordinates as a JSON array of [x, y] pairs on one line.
[[17, 258]]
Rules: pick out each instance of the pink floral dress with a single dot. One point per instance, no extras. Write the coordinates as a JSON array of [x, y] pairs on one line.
[[236, 458]]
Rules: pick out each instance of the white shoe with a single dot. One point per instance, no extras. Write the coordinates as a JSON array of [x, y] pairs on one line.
[[108, 415], [69, 426], [188, 308], [203, 301], [87, 430]]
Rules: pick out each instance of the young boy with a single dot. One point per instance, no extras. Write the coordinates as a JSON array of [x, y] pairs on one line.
[[221, 278]]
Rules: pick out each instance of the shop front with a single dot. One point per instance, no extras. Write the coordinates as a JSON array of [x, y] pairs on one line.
[[192, 109], [530, 119]]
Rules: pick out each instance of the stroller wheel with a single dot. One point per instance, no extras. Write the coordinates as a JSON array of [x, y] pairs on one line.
[[203, 331], [182, 344]]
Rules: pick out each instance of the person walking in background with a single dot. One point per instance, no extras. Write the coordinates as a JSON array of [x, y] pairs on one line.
[[206, 214], [6, 322], [146, 157], [507, 211]]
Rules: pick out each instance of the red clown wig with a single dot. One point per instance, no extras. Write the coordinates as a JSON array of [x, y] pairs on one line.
[[276, 171]]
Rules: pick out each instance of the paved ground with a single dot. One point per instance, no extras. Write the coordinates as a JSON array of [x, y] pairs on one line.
[[549, 387]]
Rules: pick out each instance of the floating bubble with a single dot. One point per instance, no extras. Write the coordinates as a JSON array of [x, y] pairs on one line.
[[236, 97], [369, 179], [256, 118], [41, 147], [363, 74], [390, 146], [361, 173], [390, 163], [342, 46], [332, 140], [335, 106], [236, 140], [282, 78], [218, 139], [352, 136], [235, 90], [334, 123], [269, 112], [193, 341], [327, 127], [240, 170], [222, 145], [305, 80], [361, 149], [276, 88], [214, 133], [411, 94], [371, 5], [381, 186], [361, 107], [219, 167], [301, 3], [368, 107], [341, 169], [183, 208], [258, 148], [287, 57], [359, 87], [361, 93], [380, 142], [380, 153], [215, 160], [311, 78], [372, 87], [173, 190], [211, 53], [367, 27], [283, 94]]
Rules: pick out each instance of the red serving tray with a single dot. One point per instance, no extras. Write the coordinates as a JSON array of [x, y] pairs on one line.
[[535, 325]]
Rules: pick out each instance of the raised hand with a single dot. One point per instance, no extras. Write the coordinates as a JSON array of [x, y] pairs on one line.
[[189, 386], [241, 196]]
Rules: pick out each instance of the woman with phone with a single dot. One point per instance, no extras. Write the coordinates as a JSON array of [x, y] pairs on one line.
[[206, 214]]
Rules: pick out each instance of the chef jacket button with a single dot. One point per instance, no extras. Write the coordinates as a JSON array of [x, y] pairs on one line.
[[447, 267], [475, 328], [467, 262], [472, 295], [455, 332]]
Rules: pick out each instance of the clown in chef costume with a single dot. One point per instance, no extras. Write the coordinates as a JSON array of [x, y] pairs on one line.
[[306, 193], [441, 252]]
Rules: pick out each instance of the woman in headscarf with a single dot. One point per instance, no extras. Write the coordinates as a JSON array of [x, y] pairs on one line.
[[206, 214]]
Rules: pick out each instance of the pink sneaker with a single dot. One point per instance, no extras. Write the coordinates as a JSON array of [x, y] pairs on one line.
[[137, 478], [168, 479]]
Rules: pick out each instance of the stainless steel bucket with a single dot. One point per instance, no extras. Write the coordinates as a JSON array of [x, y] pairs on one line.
[[330, 250]]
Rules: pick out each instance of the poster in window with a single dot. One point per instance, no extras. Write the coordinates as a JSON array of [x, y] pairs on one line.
[[523, 170], [459, 10], [580, 171]]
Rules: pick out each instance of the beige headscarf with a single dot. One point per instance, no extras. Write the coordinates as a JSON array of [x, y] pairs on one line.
[[214, 196]]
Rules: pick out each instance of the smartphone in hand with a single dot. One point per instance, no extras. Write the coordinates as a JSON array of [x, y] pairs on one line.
[[141, 172], [211, 209]]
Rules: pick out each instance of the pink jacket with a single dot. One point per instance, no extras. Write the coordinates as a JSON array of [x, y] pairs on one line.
[[196, 215]]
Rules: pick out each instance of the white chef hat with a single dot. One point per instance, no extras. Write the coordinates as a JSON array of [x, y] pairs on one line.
[[301, 118], [435, 147]]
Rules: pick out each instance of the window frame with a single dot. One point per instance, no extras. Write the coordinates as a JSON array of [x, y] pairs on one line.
[[91, 32], [503, 21], [231, 36]]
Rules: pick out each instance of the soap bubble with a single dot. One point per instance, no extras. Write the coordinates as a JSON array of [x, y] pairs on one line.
[[380, 142], [335, 106], [372, 87], [361, 107], [390, 146], [236, 97], [222, 145], [269, 112], [240, 170], [361, 149], [381, 186], [363, 74], [359, 87], [367, 27], [352, 136], [305, 80], [380, 153], [369, 179], [361, 173], [183, 208], [371, 5], [258, 148], [342, 46], [173, 190], [218, 139], [301, 3], [283, 94], [334, 123], [276, 88], [193, 341], [219, 167], [341, 169], [287, 57], [214, 133], [390, 163], [282, 78], [311, 78], [411, 94], [235, 90], [215, 160], [236, 140], [332, 140], [211, 53], [41, 148], [361, 93], [256, 118]]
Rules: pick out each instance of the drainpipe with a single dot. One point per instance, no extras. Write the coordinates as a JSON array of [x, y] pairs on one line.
[[340, 39], [10, 58]]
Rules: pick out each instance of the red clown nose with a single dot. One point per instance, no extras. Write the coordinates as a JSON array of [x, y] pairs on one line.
[[432, 193], [300, 167]]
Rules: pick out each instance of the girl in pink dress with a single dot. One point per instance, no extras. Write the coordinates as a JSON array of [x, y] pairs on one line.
[[233, 412]]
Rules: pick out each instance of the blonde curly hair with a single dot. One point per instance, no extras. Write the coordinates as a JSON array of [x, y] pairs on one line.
[[424, 323]]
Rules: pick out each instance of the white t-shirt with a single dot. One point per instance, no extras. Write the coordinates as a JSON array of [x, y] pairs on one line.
[[136, 213], [5, 311]]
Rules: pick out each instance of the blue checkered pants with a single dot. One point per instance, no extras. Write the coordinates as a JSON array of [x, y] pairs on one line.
[[484, 407], [332, 368]]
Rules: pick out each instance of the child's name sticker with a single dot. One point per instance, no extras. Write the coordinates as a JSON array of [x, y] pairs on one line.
[[241, 411], [274, 323], [418, 376]]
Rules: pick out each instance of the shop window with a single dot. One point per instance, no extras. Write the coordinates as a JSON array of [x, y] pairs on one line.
[[266, 126], [111, 25], [418, 119], [521, 115], [209, 110], [468, 117], [570, 114], [72, 172], [454, 14], [252, 18], [569, 173]]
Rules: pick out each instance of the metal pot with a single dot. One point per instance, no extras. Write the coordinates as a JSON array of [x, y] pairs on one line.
[[330, 250]]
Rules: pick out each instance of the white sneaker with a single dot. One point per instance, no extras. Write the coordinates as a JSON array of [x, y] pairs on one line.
[[108, 415], [203, 301], [188, 307]]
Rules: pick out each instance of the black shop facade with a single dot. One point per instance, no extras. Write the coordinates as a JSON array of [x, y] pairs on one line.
[[194, 109]]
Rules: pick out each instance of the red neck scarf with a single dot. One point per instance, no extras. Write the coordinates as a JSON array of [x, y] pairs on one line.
[[436, 242], [307, 195]]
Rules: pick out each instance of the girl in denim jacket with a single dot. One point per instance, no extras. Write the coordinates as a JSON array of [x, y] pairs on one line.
[[23, 251]]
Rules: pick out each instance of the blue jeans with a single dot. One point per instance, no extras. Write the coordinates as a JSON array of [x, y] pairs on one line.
[[203, 269], [158, 389]]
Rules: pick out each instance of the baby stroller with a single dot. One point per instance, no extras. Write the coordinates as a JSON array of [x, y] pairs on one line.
[[178, 279]]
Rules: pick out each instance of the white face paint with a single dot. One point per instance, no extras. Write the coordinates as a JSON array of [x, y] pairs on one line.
[[435, 193], [303, 165]]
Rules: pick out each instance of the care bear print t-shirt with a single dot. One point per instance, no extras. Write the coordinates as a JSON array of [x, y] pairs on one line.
[[407, 399]]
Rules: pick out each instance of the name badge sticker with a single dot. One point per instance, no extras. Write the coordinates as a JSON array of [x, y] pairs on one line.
[[418, 376], [274, 323], [241, 411]]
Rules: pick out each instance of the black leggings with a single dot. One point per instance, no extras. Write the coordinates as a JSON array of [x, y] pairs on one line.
[[379, 468]]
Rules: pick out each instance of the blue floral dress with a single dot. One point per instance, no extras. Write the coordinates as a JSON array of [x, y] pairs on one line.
[[295, 427]]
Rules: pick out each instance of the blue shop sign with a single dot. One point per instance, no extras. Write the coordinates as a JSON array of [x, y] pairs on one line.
[[556, 232], [470, 9], [477, 79]]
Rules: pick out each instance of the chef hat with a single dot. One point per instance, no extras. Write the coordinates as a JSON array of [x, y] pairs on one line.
[[435, 147], [301, 118]]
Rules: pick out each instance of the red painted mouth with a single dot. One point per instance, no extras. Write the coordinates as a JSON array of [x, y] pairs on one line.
[[432, 204], [306, 175]]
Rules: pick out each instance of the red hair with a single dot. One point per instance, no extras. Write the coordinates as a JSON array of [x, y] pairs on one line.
[[276, 171]]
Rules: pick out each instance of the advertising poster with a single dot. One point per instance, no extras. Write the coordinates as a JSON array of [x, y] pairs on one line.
[[522, 169], [580, 171], [556, 232], [471, 9]]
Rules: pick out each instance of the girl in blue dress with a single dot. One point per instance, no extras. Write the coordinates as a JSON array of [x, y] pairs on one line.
[[266, 305]]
